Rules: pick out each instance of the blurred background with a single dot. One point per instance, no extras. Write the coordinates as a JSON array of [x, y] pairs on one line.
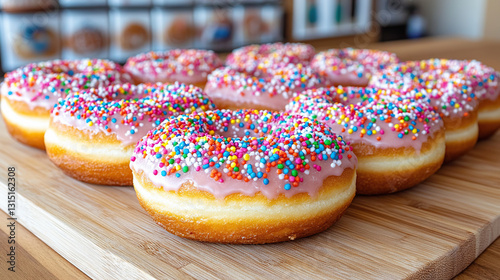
[[36, 30]]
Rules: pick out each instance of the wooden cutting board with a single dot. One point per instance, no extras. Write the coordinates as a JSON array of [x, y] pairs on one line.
[[434, 230]]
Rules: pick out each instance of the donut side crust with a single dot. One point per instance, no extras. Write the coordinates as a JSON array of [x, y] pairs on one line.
[[91, 158], [384, 171], [18, 116], [460, 140], [488, 117], [240, 219]]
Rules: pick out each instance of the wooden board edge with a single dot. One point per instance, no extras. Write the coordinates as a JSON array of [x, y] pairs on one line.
[[32, 217], [62, 240]]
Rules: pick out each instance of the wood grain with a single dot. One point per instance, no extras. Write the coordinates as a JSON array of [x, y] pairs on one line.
[[433, 231], [34, 259], [486, 266]]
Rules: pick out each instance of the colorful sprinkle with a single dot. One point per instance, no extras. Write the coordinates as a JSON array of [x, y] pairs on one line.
[[285, 153], [257, 59], [361, 63], [154, 66], [133, 110]]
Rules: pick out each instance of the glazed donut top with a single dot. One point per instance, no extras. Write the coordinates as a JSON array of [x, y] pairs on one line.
[[126, 110], [487, 79], [283, 83], [359, 62], [482, 78], [246, 151], [452, 95], [255, 59], [382, 118], [188, 66], [41, 84]]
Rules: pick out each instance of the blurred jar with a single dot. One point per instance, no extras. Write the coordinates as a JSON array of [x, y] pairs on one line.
[[416, 25], [22, 6]]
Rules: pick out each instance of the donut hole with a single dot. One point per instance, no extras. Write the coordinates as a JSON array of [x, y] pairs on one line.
[[240, 131], [71, 69]]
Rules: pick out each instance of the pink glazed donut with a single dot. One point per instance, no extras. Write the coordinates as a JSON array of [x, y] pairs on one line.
[[244, 177], [92, 134], [256, 59], [350, 67], [183, 66], [452, 93], [485, 82], [399, 140], [30, 92], [230, 89]]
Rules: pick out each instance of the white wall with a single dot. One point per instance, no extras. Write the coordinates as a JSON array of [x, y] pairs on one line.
[[464, 18]]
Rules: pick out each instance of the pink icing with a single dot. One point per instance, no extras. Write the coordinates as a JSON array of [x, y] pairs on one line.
[[185, 66], [379, 118], [239, 96], [42, 84], [351, 66], [347, 79], [128, 111], [182, 149], [201, 180], [450, 91], [272, 91], [255, 59]]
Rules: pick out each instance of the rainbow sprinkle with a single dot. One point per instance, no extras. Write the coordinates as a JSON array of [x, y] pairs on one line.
[[46, 81], [127, 110], [359, 62], [179, 61], [451, 93], [284, 81], [245, 145], [370, 113], [255, 59]]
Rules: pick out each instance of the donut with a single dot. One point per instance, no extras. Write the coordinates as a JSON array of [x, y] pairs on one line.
[[230, 89], [93, 133], [184, 66], [29, 93], [243, 177], [487, 90], [255, 59], [452, 96], [350, 67], [399, 141]]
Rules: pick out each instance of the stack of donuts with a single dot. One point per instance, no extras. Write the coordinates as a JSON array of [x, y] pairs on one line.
[[271, 145]]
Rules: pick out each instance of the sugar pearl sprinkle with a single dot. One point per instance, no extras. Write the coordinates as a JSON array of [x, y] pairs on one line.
[[406, 117], [179, 61], [451, 92], [59, 77], [284, 80], [361, 62], [127, 107], [255, 59], [245, 145]]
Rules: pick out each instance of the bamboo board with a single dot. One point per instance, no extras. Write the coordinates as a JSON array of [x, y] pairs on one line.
[[434, 230]]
